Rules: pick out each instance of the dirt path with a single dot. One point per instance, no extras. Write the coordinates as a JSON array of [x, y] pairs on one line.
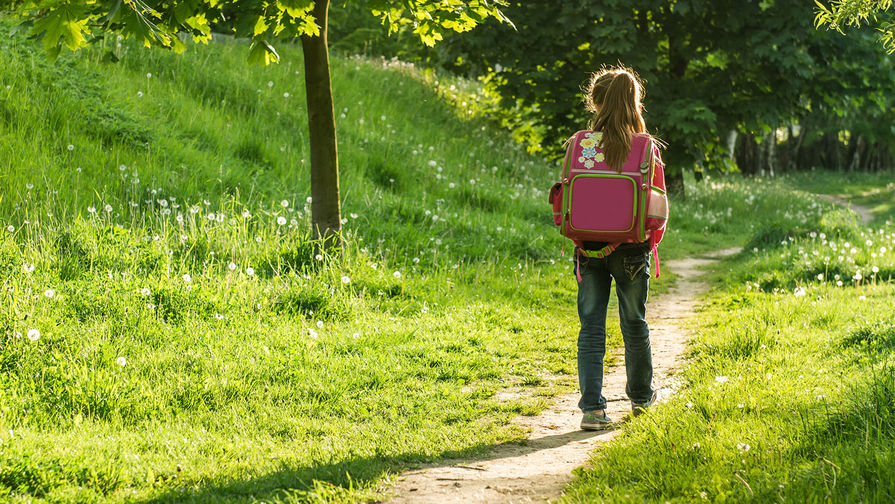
[[866, 215], [539, 469]]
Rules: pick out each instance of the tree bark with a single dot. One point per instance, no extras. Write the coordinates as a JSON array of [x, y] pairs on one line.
[[325, 206]]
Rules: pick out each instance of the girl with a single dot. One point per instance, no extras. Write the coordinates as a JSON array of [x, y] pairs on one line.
[[614, 96]]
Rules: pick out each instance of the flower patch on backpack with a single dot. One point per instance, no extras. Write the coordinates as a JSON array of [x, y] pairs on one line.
[[589, 155]]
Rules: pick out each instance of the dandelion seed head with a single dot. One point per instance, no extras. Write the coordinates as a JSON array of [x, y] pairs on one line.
[[49, 293], [396, 274], [121, 361], [346, 280], [250, 271], [33, 334], [281, 220], [187, 278], [145, 292]]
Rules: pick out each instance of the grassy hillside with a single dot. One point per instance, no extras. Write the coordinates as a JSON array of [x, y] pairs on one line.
[[167, 331]]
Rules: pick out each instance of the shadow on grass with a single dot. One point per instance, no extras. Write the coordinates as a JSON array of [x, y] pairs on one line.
[[301, 482]]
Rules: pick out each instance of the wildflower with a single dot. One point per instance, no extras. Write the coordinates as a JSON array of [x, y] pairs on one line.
[[344, 221], [187, 278], [281, 220], [258, 239], [149, 76], [218, 316], [231, 266], [318, 257], [799, 292], [285, 95], [875, 269], [91, 209], [28, 267], [33, 334], [210, 217], [346, 280], [820, 276], [861, 298], [396, 274], [433, 163], [139, 94], [313, 333], [355, 335], [319, 324], [49, 293], [121, 361], [858, 276], [721, 379], [839, 283], [11, 228], [250, 271], [353, 216], [71, 147], [416, 260], [270, 84], [743, 447], [145, 292], [179, 218], [107, 208]]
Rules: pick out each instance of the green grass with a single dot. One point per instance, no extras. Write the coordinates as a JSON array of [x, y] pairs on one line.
[[788, 391], [168, 333]]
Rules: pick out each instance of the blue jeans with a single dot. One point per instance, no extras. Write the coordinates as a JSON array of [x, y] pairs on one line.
[[630, 269]]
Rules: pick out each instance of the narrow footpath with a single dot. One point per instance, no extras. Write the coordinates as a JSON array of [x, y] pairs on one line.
[[539, 469]]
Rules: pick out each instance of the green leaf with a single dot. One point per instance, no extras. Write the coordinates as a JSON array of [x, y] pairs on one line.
[[262, 53]]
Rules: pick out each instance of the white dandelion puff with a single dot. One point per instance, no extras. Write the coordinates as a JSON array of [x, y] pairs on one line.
[[33, 334]]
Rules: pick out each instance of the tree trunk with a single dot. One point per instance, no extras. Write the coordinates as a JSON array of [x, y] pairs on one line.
[[674, 184], [325, 212]]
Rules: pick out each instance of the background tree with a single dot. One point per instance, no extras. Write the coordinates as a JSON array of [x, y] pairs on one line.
[[160, 23], [727, 80]]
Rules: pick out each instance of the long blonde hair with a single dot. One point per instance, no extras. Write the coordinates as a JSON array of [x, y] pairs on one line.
[[614, 96]]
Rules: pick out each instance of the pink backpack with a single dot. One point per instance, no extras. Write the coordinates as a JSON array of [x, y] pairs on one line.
[[594, 202]]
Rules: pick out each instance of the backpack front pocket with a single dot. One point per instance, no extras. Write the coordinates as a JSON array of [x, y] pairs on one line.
[[604, 203]]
